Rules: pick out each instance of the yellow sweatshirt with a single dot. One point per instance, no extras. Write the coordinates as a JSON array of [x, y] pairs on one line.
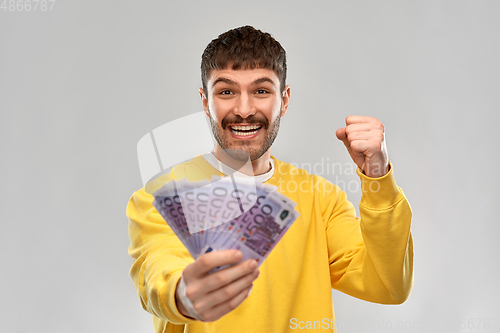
[[326, 247]]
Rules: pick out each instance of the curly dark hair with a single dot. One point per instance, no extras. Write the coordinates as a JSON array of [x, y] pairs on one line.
[[244, 48]]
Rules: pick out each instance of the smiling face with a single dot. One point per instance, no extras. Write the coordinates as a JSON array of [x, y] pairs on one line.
[[245, 107]]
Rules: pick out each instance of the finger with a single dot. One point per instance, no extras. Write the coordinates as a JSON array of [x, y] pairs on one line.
[[360, 119], [226, 293], [367, 147], [228, 275], [223, 308], [198, 288], [342, 135], [366, 135], [208, 261], [360, 127]]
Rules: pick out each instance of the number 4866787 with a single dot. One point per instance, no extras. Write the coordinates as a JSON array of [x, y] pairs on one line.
[[27, 5]]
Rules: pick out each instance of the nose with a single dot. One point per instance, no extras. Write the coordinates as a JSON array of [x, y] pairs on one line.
[[244, 106]]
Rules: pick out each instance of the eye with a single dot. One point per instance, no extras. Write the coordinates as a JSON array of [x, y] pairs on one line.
[[225, 92], [261, 91]]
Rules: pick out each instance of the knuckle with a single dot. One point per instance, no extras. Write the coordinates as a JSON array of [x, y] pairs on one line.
[[204, 261], [221, 278], [352, 136], [232, 304], [197, 306], [227, 292], [355, 145], [190, 292]]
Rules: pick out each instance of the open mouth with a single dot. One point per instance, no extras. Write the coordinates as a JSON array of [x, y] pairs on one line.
[[245, 130]]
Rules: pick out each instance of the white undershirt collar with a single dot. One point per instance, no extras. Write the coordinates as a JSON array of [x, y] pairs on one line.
[[227, 170]]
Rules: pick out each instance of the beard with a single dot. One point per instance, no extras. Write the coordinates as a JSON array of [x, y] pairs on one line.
[[242, 150]]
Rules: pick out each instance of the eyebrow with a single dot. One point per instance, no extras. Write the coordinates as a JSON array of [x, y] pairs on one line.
[[232, 83], [263, 79], [225, 80]]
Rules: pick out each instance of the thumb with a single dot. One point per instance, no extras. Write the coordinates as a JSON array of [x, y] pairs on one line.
[[342, 136]]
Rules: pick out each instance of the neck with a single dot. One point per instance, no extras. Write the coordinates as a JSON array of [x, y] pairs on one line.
[[257, 167], [262, 164]]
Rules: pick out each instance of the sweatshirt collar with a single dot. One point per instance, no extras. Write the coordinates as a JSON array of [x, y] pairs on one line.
[[227, 170]]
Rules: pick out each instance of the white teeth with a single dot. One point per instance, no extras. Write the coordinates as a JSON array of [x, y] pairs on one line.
[[246, 127], [236, 129], [244, 133]]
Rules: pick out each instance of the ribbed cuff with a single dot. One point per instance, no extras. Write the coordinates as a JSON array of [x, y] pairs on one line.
[[379, 193], [186, 301], [177, 317]]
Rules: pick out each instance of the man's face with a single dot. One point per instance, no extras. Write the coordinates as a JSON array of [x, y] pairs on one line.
[[245, 107]]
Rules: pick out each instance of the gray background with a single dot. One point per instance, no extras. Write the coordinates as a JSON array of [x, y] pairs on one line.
[[81, 84]]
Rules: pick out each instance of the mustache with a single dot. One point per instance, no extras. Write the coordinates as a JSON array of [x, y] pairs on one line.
[[252, 119]]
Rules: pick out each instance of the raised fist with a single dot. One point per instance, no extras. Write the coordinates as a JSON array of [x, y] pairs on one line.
[[365, 141]]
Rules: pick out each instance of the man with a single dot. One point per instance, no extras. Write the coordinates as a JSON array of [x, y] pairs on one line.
[[244, 95]]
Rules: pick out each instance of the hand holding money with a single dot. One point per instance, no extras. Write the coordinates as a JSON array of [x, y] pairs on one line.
[[211, 296], [229, 225]]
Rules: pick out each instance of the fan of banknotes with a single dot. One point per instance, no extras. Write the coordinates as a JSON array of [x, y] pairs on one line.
[[226, 213]]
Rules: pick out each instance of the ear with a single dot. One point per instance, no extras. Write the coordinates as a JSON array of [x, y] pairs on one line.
[[285, 99], [204, 101]]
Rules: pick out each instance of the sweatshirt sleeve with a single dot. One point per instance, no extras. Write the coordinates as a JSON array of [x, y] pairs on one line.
[[371, 257], [159, 259]]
